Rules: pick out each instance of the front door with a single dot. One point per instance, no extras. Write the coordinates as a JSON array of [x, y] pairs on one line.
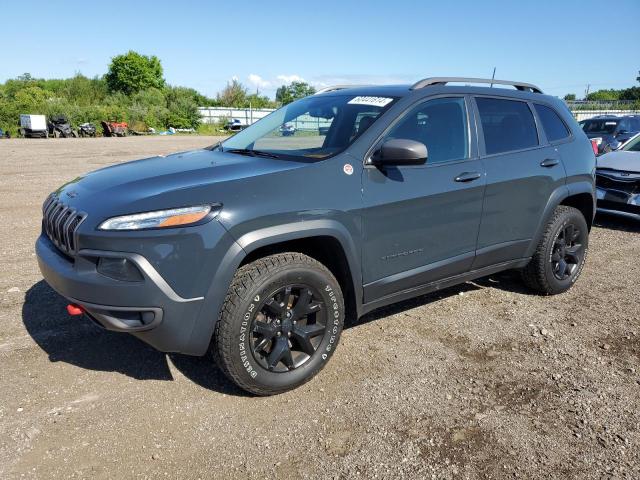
[[420, 223]]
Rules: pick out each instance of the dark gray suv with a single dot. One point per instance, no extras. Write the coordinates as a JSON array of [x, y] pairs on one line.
[[257, 248]]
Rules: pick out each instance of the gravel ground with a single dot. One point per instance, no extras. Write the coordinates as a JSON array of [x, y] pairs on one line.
[[483, 380]]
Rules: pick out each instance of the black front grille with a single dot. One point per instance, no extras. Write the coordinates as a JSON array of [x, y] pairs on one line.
[[620, 183], [60, 223]]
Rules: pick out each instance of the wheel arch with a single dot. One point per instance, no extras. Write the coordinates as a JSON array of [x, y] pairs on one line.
[[580, 195], [327, 241]]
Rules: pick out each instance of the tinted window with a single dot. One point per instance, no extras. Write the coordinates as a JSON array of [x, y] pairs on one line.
[[635, 124], [553, 126], [599, 126], [441, 125], [507, 125]]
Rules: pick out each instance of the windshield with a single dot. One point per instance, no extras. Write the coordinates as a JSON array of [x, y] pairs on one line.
[[632, 145], [314, 127], [599, 126]]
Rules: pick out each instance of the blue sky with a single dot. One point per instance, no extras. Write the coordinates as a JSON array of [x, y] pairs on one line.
[[559, 45]]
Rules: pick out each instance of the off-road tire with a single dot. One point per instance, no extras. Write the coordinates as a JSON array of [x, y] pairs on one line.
[[539, 273], [233, 346]]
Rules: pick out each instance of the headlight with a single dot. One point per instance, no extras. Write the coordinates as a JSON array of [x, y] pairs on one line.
[[175, 217]]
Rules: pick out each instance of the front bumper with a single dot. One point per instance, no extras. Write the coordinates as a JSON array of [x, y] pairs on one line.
[[150, 309], [616, 201]]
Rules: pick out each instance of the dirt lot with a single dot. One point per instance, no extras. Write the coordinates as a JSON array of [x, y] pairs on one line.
[[482, 380]]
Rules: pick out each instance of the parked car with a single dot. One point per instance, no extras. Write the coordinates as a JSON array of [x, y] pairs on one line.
[[33, 126], [4, 134], [87, 130], [256, 249], [611, 131], [618, 180], [287, 129], [59, 126], [234, 125]]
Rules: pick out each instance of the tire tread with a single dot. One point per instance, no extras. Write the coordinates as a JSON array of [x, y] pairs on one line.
[[247, 276], [534, 274]]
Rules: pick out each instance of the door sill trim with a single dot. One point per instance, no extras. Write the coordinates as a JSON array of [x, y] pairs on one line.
[[443, 283]]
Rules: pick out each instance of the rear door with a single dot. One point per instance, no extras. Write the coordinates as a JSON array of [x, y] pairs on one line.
[[522, 168], [420, 223]]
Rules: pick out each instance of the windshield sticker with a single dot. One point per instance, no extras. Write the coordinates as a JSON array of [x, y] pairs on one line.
[[348, 168], [373, 101], [610, 123]]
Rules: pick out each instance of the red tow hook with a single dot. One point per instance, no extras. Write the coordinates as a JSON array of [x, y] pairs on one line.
[[73, 309]]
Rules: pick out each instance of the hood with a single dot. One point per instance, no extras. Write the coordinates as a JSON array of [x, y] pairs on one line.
[[181, 179], [620, 160]]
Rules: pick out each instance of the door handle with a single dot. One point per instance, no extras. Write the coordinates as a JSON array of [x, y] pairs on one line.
[[549, 162], [468, 177]]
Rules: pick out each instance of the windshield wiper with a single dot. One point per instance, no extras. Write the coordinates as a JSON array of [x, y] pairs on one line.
[[252, 153]]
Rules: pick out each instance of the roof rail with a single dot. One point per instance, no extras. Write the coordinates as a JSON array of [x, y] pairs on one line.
[[336, 87], [426, 82]]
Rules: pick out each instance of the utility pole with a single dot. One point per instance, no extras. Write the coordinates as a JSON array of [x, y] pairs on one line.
[[493, 77], [586, 92]]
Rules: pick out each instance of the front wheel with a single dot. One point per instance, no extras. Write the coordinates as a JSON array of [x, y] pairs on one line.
[[560, 254], [280, 323]]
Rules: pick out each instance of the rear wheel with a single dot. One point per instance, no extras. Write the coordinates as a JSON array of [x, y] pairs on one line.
[[560, 254], [280, 323]]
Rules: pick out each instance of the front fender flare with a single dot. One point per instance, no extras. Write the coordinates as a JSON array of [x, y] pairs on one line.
[[215, 296]]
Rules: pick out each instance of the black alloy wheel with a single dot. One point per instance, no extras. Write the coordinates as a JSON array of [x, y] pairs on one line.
[[567, 253], [288, 328]]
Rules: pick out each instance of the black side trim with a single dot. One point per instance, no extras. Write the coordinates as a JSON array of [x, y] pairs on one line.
[[444, 283], [418, 276], [500, 252]]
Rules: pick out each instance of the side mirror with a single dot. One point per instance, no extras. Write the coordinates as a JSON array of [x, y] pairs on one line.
[[621, 132], [400, 151]]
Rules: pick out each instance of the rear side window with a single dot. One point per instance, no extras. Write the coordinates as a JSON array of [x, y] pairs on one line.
[[507, 125], [553, 125]]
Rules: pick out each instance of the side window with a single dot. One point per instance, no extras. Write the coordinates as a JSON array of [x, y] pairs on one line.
[[624, 125], [508, 125], [440, 124], [553, 125]]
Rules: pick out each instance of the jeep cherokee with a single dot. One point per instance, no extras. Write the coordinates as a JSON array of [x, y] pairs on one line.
[[256, 249]]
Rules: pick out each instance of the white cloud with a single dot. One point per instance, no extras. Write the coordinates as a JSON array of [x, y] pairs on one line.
[[287, 79], [258, 81]]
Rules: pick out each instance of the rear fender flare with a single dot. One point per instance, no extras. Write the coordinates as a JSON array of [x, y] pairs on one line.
[[555, 199]]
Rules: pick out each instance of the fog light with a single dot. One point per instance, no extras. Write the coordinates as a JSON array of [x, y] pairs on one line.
[[119, 269]]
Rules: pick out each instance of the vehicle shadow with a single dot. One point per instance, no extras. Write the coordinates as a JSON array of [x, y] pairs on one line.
[[77, 341], [616, 222], [409, 304], [508, 280]]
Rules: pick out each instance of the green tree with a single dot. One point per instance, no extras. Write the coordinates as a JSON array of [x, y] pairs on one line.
[[31, 97], [260, 101], [233, 95], [182, 104], [632, 93], [294, 91], [132, 72], [570, 97], [604, 95]]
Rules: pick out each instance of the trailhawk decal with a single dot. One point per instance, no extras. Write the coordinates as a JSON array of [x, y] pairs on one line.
[[336, 321], [245, 337], [373, 101]]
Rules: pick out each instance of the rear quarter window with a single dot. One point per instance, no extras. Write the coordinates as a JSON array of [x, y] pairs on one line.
[[552, 124], [507, 125]]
